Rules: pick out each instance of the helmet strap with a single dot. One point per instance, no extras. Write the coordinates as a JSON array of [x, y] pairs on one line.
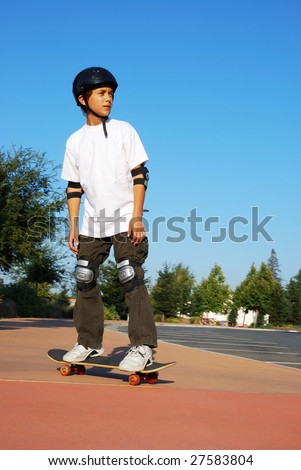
[[103, 118]]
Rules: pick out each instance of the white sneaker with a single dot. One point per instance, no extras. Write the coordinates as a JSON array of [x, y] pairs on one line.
[[79, 353], [136, 359]]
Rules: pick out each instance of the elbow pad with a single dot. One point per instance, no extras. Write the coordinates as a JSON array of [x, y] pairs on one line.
[[144, 173], [74, 185]]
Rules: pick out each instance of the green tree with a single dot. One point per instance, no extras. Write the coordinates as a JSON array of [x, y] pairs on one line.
[[244, 293], [273, 265], [111, 289], [278, 306], [255, 292], [184, 281], [164, 295], [213, 293], [293, 290], [28, 205], [43, 268], [196, 300]]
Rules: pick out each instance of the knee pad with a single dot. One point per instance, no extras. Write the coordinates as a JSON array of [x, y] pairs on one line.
[[127, 275], [85, 273]]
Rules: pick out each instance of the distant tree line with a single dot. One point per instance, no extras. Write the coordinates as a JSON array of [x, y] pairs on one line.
[[176, 293], [39, 279]]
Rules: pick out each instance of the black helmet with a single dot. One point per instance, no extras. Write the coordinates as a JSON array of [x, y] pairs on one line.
[[91, 78]]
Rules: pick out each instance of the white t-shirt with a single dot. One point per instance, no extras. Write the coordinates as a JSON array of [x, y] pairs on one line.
[[103, 168]]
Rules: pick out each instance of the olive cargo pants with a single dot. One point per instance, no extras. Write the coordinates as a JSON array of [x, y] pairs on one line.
[[88, 311]]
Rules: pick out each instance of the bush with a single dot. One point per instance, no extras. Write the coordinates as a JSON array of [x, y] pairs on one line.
[[172, 320], [111, 313], [159, 317], [28, 303]]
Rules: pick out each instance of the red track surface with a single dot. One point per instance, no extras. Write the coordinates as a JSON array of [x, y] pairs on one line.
[[207, 401]]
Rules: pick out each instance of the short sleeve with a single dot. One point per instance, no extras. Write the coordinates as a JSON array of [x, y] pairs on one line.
[[70, 169], [133, 147]]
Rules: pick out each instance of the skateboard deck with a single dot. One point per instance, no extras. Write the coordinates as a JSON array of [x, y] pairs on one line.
[[150, 373]]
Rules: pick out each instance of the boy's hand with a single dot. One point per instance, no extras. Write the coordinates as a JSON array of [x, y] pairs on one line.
[[136, 230], [73, 240]]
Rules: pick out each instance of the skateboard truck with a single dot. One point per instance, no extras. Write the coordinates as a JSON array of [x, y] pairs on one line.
[[134, 379]]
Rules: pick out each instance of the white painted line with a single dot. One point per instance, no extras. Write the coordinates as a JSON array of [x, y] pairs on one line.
[[282, 362], [195, 339], [228, 342], [254, 351]]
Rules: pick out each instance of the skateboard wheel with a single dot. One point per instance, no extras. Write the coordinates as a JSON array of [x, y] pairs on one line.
[[152, 377], [65, 370], [80, 370], [134, 379]]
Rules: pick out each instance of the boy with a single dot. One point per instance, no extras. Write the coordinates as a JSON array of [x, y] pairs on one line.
[[105, 159]]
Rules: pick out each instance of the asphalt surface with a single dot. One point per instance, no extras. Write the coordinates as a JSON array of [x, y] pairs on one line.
[[207, 401], [269, 346]]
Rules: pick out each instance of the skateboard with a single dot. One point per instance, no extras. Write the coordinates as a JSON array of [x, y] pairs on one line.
[[150, 373]]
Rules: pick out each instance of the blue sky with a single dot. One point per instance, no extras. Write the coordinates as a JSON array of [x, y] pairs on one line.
[[213, 89]]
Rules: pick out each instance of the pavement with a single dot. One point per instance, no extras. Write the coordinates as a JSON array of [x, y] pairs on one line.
[[207, 401]]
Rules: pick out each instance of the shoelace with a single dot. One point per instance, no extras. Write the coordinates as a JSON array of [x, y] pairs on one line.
[[135, 351]]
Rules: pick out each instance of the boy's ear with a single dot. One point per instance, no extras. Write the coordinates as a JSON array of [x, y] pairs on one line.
[[81, 100]]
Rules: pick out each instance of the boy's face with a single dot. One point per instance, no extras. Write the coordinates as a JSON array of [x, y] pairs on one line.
[[100, 100]]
